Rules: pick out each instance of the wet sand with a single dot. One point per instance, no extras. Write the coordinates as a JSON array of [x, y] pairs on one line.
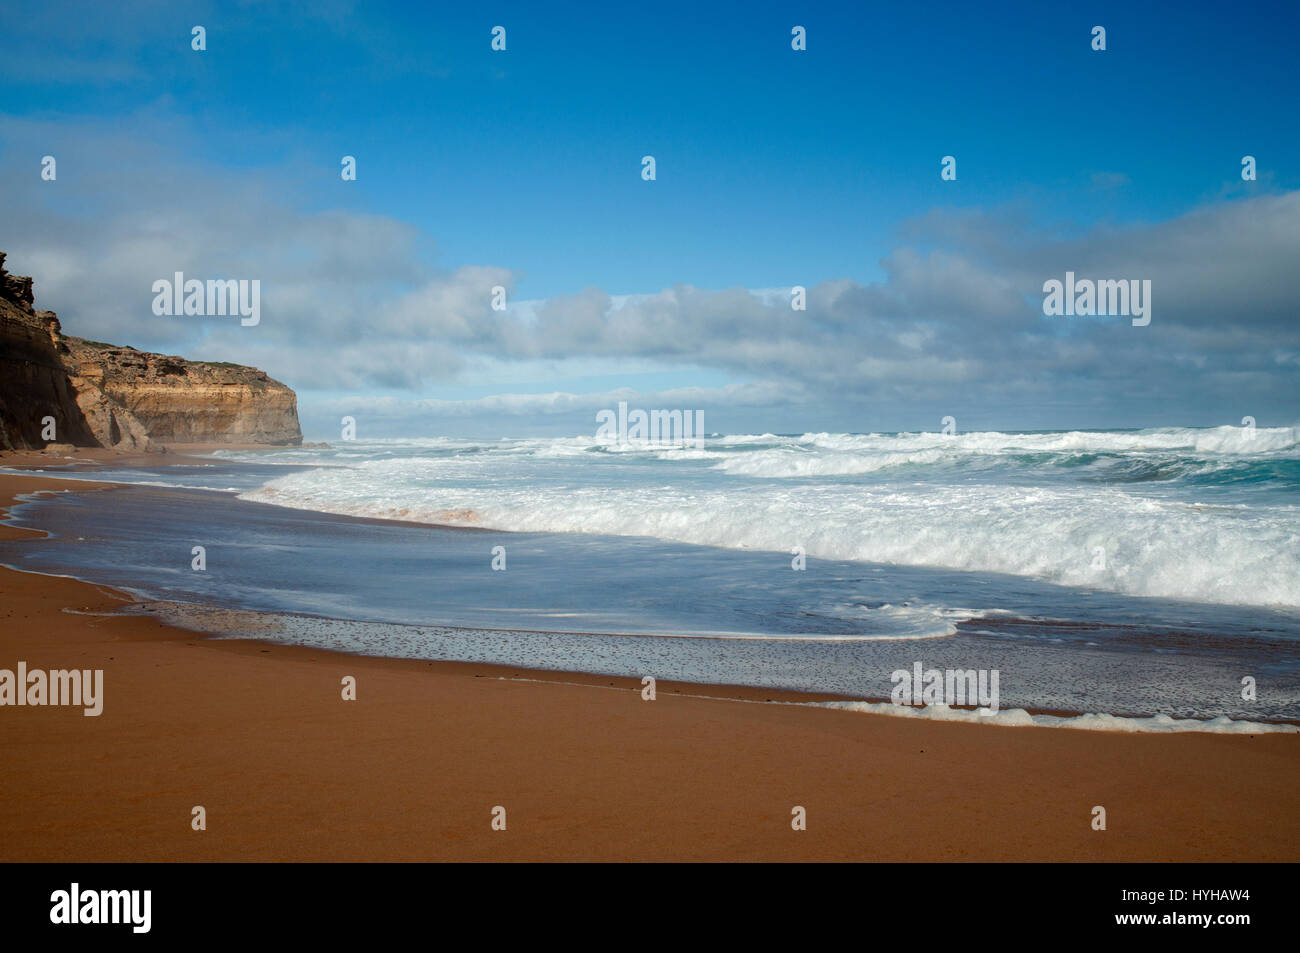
[[260, 736]]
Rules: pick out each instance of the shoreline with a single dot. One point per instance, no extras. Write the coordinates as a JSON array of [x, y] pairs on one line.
[[257, 733], [9, 498], [246, 645], [880, 706]]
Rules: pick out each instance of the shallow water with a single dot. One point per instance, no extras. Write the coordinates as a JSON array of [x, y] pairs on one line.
[[632, 606]]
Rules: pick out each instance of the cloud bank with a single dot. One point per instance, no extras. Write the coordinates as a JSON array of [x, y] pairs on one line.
[[356, 304]]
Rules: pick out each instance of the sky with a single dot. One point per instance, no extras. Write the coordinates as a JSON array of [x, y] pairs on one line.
[[774, 168]]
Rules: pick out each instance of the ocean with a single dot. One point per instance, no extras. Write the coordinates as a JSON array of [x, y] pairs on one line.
[[1140, 576]]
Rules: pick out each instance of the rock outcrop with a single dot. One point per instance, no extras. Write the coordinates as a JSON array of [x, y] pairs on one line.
[[101, 395]]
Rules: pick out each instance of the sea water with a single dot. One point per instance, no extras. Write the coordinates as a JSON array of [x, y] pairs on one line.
[[1138, 573]]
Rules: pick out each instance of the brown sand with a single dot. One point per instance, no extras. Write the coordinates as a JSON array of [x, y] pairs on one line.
[[287, 770], [100, 458]]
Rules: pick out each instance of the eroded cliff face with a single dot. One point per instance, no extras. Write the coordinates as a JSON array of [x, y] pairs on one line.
[[108, 396], [180, 401]]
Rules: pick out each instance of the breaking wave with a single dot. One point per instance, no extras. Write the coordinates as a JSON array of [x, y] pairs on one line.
[[1184, 513]]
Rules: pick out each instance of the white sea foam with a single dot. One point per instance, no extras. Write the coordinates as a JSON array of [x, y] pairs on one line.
[[824, 454], [1019, 718], [1005, 718], [838, 496]]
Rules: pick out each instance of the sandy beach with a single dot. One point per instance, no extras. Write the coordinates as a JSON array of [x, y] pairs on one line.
[[259, 735]]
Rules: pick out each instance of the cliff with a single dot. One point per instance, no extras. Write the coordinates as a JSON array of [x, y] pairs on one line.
[[100, 395]]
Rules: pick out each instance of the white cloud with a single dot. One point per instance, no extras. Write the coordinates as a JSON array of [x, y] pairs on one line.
[[352, 302]]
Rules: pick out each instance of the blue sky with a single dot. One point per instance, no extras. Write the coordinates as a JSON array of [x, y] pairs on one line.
[[774, 168]]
